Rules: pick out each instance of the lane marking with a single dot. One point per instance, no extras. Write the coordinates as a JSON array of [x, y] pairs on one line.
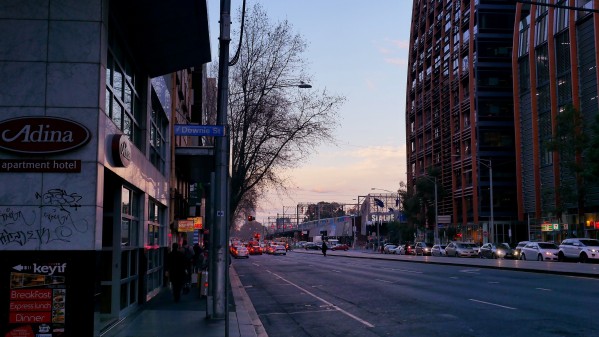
[[492, 282], [378, 279], [489, 303], [544, 289], [326, 302], [470, 271]]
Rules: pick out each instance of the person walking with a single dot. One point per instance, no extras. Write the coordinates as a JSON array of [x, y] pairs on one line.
[[189, 255], [176, 267], [324, 248]]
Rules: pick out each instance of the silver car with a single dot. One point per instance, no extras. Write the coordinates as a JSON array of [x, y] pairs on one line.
[[461, 249]]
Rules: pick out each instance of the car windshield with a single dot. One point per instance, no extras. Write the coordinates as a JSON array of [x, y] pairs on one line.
[[547, 245], [443, 246], [590, 242], [505, 245], [463, 245]]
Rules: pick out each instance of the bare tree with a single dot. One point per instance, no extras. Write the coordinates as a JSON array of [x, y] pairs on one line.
[[273, 124]]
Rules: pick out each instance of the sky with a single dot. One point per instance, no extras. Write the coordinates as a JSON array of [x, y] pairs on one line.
[[357, 49]]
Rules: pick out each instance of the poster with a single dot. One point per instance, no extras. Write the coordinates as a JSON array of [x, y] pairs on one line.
[[37, 300]]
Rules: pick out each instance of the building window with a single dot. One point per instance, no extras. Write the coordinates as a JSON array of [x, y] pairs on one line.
[[123, 94], [129, 217], [546, 131], [524, 75], [158, 135], [156, 224], [523, 45], [542, 61], [541, 30], [561, 17]]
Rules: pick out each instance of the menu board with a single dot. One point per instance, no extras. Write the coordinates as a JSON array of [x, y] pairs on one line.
[[37, 299]]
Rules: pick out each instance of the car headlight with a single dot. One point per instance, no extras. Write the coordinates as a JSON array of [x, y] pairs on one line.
[[594, 250]]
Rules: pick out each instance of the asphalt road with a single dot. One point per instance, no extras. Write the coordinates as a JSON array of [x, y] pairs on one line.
[[310, 295]]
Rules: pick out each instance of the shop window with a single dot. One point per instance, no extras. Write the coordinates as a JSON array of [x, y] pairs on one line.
[[129, 217]]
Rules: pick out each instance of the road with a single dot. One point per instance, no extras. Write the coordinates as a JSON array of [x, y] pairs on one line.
[[310, 295]]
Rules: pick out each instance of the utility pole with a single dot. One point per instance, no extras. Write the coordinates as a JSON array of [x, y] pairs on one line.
[[219, 253]]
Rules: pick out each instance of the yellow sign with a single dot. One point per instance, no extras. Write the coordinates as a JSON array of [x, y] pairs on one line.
[[197, 222], [185, 225]]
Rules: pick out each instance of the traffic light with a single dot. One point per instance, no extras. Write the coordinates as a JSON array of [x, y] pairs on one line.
[[251, 218]]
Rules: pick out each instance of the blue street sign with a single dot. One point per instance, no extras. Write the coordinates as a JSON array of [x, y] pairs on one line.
[[199, 130]]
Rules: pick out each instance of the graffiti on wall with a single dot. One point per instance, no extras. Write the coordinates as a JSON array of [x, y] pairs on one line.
[[55, 220]]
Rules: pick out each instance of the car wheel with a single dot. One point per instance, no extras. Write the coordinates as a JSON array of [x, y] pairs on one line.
[[494, 256], [561, 257], [584, 258], [523, 257], [456, 254], [540, 257]]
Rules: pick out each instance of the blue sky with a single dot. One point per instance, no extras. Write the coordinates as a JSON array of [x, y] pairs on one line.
[[358, 49]]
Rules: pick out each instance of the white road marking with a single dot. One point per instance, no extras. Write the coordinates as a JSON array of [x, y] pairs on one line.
[[544, 289], [470, 270], [326, 302], [378, 279], [489, 303], [493, 282]]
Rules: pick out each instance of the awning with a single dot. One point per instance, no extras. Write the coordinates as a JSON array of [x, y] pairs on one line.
[[165, 36]]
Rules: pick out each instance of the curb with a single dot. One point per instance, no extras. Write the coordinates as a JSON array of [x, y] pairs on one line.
[[247, 318]]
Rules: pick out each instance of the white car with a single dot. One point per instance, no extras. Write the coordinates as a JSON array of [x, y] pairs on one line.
[[581, 249], [540, 251], [279, 250], [399, 250], [438, 250]]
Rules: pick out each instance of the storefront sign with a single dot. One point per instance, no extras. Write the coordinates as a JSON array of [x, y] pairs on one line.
[[42, 135], [121, 150], [185, 225], [197, 222], [39, 165], [37, 298]]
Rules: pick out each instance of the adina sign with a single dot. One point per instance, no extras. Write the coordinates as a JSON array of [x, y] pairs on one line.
[[42, 135]]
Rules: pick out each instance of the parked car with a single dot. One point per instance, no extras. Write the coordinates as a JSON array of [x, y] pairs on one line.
[[279, 250], [399, 250], [518, 249], [341, 246], [409, 248], [240, 252], [312, 246], [438, 250], [581, 249], [460, 249], [388, 248], [422, 248], [496, 251], [540, 251]]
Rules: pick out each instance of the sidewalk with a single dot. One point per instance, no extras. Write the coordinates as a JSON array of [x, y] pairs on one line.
[[162, 317]]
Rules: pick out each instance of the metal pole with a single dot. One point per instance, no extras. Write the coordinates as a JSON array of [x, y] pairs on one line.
[[221, 225], [436, 215], [491, 197]]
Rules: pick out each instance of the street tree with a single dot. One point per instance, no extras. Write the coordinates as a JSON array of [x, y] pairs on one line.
[[273, 124], [570, 142]]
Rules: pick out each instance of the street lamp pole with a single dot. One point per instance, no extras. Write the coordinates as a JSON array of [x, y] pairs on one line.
[[489, 165]]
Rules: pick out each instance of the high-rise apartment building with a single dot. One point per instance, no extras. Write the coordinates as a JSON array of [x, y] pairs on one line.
[[459, 117], [555, 84]]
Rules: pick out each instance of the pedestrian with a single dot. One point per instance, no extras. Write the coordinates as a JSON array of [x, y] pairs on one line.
[[324, 248], [198, 258], [189, 255], [175, 266]]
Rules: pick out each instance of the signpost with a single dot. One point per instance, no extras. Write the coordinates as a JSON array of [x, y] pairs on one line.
[[199, 130]]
